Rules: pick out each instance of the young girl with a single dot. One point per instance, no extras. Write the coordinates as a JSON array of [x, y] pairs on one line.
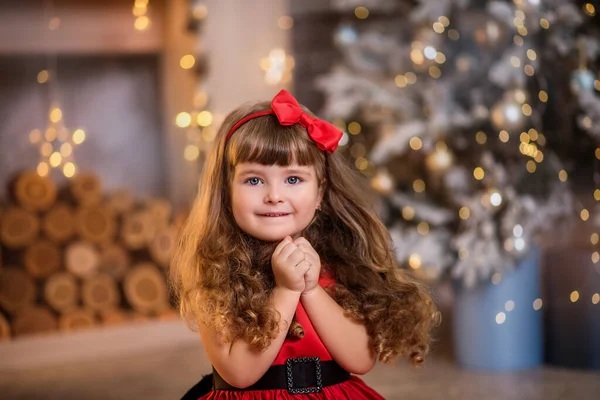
[[285, 269]]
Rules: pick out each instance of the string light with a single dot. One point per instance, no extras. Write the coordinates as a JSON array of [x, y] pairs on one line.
[[55, 143], [140, 10]]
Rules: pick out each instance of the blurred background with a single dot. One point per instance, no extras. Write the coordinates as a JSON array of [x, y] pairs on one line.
[[476, 121]]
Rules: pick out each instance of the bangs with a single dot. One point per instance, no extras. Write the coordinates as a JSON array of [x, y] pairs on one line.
[[264, 141]]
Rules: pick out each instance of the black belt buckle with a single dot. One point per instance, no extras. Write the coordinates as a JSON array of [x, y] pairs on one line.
[[289, 374]]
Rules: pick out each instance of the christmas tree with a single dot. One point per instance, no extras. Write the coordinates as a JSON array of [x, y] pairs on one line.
[[457, 111]]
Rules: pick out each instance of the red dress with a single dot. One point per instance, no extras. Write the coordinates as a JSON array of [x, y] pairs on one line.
[[309, 346]]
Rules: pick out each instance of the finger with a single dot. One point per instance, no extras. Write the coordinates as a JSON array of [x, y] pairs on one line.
[[296, 257], [288, 250], [303, 267], [309, 251], [287, 240]]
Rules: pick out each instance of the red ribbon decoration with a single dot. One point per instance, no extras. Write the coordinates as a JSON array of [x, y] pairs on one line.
[[288, 112]]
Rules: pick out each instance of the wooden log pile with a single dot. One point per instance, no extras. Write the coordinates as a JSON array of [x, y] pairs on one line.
[[75, 257]]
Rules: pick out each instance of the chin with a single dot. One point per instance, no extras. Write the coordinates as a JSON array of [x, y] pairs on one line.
[[274, 237]]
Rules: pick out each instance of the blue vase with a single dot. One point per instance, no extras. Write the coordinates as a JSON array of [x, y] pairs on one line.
[[496, 327]]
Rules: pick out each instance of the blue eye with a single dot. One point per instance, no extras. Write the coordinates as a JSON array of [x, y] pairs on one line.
[[253, 181], [294, 180]]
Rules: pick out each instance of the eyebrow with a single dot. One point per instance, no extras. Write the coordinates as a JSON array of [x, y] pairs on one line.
[[287, 171]]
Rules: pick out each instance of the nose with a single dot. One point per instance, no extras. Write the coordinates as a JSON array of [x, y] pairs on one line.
[[273, 195]]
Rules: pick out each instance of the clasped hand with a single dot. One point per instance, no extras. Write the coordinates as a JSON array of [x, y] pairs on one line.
[[296, 265]]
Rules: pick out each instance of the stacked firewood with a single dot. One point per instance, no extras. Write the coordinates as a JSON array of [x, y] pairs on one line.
[[74, 257]]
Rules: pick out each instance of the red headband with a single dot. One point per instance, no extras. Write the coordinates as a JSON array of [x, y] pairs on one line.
[[288, 112]]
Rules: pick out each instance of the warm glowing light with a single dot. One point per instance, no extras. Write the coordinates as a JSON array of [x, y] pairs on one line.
[[69, 170], [191, 152], [585, 214], [204, 118], [78, 136], [423, 228], [66, 149], [187, 61], [183, 119], [481, 137], [590, 9], [200, 12], [574, 296], [361, 12], [537, 304], [414, 261], [55, 159], [142, 23], [464, 213], [43, 169], [408, 213], [400, 81], [354, 128], [55, 115], [50, 134], [46, 149], [415, 143], [478, 173], [562, 175], [419, 186], [361, 163], [35, 136], [43, 76]]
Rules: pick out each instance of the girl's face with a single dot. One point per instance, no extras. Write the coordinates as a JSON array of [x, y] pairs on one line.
[[272, 202]]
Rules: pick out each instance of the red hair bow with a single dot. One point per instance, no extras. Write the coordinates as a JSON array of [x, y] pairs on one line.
[[288, 112]]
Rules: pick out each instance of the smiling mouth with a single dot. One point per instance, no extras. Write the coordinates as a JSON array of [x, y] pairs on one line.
[[274, 215]]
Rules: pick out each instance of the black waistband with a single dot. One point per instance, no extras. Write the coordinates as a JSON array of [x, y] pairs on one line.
[[297, 375]]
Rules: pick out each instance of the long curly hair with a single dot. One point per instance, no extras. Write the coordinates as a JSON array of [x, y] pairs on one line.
[[223, 277]]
